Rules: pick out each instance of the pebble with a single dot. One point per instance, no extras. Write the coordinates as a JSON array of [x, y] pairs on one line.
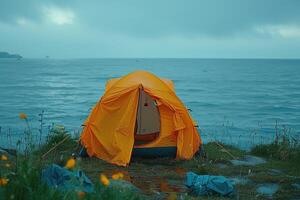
[[248, 160]]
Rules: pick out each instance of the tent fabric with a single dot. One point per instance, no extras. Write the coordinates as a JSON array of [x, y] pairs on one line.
[[112, 81], [205, 184], [109, 129]]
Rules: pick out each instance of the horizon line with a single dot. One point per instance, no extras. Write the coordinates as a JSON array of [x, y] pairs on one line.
[[220, 58]]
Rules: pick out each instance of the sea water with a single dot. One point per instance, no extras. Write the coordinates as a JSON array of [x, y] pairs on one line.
[[237, 101]]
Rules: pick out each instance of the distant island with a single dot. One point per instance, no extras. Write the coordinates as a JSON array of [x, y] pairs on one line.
[[7, 55]]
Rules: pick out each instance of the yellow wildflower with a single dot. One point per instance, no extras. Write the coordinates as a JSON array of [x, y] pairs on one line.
[[172, 196], [4, 157], [70, 163], [23, 116], [104, 180], [117, 176], [80, 194], [3, 181], [7, 165], [121, 175]]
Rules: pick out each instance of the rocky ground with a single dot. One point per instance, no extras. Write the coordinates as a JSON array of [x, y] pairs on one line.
[[254, 177]]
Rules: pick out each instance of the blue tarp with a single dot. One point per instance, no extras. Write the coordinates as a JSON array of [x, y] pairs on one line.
[[63, 179], [206, 185]]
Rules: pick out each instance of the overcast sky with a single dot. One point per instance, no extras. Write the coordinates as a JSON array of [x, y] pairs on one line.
[[152, 28]]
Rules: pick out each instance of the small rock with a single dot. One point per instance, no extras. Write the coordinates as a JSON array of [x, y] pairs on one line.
[[248, 160], [10, 152], [221, 165], [3, 152], [267, 189], [274, 172], [296, 186], [122, 184], [240, 180]]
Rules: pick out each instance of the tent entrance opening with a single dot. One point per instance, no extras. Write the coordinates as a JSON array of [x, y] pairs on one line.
[[147, 127]]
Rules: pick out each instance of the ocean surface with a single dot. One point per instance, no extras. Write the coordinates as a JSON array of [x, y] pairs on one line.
[[237, 101]]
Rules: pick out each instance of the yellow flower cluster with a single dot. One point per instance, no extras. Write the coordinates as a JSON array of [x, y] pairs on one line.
[[70, 163], [172, 196], [4, 157], [80, 194], [104, 180], [117, 176], [23, 116], [3, 181]]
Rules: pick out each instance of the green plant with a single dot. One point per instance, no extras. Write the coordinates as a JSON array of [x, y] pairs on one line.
[[25, 183], [56, 135], [282, 148]]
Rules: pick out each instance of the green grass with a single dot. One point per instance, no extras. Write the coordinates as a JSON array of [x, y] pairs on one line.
[[24, 174], [284, 147], [283, 153], [26, 183]]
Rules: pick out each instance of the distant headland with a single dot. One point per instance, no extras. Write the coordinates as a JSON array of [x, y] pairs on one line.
[[8, 55]]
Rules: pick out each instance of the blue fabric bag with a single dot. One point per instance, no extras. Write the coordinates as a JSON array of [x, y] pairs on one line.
[[63, 179], [206, 185]]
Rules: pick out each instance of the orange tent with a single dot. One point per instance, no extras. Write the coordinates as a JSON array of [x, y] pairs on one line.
[[139, 111]]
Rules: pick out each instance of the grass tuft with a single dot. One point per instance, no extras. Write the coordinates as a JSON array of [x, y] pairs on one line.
[[283, 148]]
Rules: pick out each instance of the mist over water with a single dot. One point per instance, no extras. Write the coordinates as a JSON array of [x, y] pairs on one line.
[[237, 101]]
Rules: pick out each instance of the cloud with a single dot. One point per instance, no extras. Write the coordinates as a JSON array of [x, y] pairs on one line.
[[22, 21], [59, 16], [209, 28], [156, 18], [213, 18], [284, 31]]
